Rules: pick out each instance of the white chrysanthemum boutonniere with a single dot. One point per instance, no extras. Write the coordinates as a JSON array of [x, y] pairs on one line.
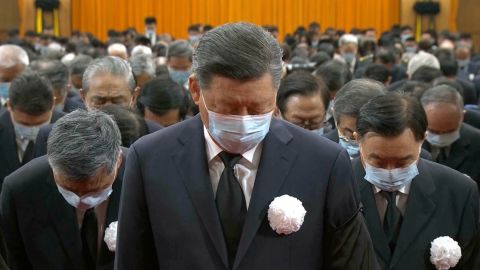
[[286, 214], [111, 236], [445, 253]]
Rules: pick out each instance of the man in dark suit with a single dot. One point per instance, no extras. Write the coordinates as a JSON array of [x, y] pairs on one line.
[[107, 80], [188, 187], [55, 209], [30, 106], [451, 142], [408, 201]]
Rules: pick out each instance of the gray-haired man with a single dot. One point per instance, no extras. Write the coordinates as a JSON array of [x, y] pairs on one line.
[[55, 209], [197, 193]]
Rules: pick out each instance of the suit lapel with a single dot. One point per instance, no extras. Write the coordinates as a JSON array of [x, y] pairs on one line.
[[275, 163], [196, 179], [372, 217], [420, 207], [458, 153], [63, 217], [9, 145]]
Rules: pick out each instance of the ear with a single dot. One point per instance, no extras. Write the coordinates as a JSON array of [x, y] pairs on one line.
[[194, 87], [7, 105], [83, 95], [356, 136], [276, 113], [136, 94]]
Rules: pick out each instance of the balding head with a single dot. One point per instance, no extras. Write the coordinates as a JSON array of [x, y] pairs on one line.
[[13, 60]]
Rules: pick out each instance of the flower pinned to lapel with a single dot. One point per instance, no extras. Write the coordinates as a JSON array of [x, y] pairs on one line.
[[111, 236], [286, 214], [445, 253]]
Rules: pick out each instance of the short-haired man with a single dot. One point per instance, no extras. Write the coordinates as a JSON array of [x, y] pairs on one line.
[[213, 215], [408, 201], [54, 210], [29, 107], [303, 99], [451, 142], [179, 61], [143, 68]]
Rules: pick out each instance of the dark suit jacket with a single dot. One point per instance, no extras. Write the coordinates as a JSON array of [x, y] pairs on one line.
[[42, 137], [333, 136], [41, 229], [8, 147], [168, 218], [441, 202], [469, 91], [472, 117], [464, 153], [71, 104]]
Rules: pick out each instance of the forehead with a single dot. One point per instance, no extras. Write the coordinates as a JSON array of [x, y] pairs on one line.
[[310, 104], [108, 82], [398, 146], [441, 111]]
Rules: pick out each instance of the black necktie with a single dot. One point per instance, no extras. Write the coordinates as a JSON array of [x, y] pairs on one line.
[[231, 204], [89, 238], [442, 155], [393, 219], [28, 154]]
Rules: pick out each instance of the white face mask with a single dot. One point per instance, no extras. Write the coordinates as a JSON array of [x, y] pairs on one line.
[[237, 133], [443, 140], [390, 180], [27, 132], [87, 201]]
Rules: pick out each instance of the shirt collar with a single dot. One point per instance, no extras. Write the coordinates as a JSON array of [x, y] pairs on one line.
[[213, 149], [404, 190]]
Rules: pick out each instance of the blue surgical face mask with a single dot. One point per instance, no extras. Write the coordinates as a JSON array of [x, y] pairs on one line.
[[180, 77], [318, 131], [4, 87], [237, 133], [390, 180], [87, 201], [350, 145], [411, 50], [27, 132], [349, 57], [443, 140]]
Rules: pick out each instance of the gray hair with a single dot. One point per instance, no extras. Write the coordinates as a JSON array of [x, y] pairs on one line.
[[239, 51], [83, 142], [117, 48], [422, 59], [353, 95], [52, 70], [79, 64], [348, 38], [142, 64], [12, 55], [109, 65], [180, 48], [442, 94]]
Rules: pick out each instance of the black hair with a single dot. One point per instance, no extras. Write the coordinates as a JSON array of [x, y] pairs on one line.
[[426, 74], [448, 66], [391, 114], [335, 74], [150, 20], [378, 72], [301, 83], [31, 94], [131, 125], [162, 94]]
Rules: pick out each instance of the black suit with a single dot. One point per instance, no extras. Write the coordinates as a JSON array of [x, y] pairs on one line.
[[333, 136], [168, 218], [464, 153], [41, 229], [72, 104], [472, 117], [42, 137], [441, 202], [8, 146]]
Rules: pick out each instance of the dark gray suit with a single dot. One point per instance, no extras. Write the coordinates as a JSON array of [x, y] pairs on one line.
[[168, 217], [441, 202], [41, 229]]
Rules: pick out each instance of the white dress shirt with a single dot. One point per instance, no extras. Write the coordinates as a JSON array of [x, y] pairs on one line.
[[401, 200], [245, 170], [22, 145]]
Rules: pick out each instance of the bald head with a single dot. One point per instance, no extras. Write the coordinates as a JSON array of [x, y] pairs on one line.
[[13, 60]]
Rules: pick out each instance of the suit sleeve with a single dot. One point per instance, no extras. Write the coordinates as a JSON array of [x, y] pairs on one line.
[[16, 254], [347, 244], [135, 242]]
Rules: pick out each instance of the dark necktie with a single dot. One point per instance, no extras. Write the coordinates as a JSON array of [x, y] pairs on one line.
[[28, 154], [393, 219], [442, 155], [231, 204], [89, 238]]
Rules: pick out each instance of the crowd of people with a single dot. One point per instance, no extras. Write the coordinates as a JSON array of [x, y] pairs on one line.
[[185, 143]]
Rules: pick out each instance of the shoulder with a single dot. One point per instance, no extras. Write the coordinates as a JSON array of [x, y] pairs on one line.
[[28, 176], [446, 177]]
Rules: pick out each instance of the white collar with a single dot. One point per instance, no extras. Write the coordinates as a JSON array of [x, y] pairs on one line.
[[404, 190]]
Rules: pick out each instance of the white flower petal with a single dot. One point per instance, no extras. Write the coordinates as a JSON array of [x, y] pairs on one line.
[[286, 214]]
